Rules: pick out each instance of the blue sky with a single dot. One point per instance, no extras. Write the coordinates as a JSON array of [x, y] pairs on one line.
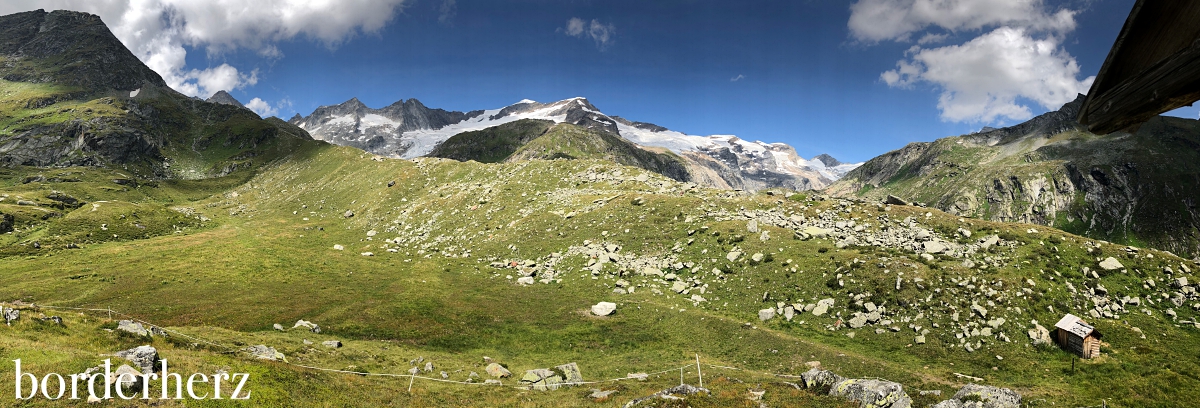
[[852, 79]]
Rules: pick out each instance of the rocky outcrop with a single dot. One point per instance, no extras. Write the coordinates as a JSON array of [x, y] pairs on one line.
[[1122, 187], [982, 396], [868, 393]]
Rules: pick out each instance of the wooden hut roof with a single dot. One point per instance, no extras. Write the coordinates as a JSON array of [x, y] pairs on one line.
[[1153, 67], [1074, 325]]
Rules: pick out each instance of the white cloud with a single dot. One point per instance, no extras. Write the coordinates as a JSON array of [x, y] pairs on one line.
[[737, 78], [880, 20], [447, 11], [601, 33], [575, 27], [261, 107], [157, 31], [983, 79]]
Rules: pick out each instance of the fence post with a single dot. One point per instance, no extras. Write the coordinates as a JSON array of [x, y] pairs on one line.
[[681, 375], [698, 373], [411, 377]]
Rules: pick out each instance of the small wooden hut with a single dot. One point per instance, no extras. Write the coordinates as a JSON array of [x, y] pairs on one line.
[[1077, 336]]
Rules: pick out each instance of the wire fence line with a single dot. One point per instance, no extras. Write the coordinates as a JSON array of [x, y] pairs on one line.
[[411, 377]]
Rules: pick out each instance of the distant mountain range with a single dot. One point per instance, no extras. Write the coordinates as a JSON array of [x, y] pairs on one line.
[[1136, 188], [408, 129]]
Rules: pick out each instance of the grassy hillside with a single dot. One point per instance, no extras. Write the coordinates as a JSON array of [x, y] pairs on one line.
[[463, 233]]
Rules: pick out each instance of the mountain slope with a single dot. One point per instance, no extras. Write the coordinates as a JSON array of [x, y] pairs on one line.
[[529, 139], [717, 161], [1137, 188], [494, 144], [73, 95]]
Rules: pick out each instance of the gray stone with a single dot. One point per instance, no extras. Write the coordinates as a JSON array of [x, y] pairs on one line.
[[979, 309], [604, 308], [496, 370], [125, 377], [991, 397], [10, 315], [598, 394], [752, 226], [278, 326], [934, 247], [733, 255], [920, 339], [822, 307], [541, 379], [332, 343], [816, 377], [858, 321], [130, 326], [789, 312], [891, 199], [757, 257], [1179, 282], [526, 280], [571, 373], [679, 286], [313, 327], [766, 314], [145, 357], [1110, 264], [428, 367], [1039, 335], [872, 393], [265, 353], [348, 214]]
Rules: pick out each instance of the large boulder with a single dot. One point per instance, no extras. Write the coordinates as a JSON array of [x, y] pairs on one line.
[[822, 306], [498, 371], [872, 393], [604, 308], [125, 377], [130, 326], [571, 372], [541, 379], [982, 396], [1110, 264], [815, 377], [145, 357]]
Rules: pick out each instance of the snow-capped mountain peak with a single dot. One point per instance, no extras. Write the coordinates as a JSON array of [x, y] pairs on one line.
[[408, 129]]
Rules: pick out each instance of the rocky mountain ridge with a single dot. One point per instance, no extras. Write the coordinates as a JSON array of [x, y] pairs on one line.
[[1135, 188], [73, 95], [718, 161]]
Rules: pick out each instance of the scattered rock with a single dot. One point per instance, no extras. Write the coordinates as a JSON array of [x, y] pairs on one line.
[[766, 314], [130, 326], [541, 379], [934, 247], [604, 308], [265, 353], [571, 373], [348, 214], [872, 393], [982, 396], [332, 343], [278, 326], [597, 394], [497, 371], [672, 393], [1039, 335], [1111, 264], [145, 357], [125, 377], [11, 315], [822, 307], [526, 280], [893, 200], [308, 325], [338, 247]]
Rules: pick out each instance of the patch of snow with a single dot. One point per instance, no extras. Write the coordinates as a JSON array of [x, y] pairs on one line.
[[135, 92]]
